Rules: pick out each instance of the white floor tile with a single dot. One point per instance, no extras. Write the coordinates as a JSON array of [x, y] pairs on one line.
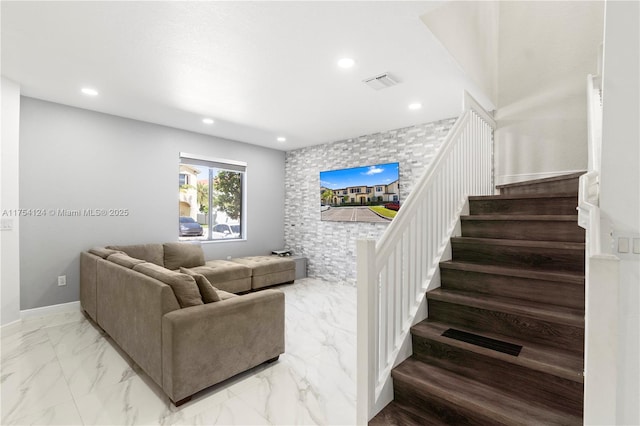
[[32, 381], [15, 345], [89, 361], [35, 323], [133, 402], [231, 412], [63, 414], [284, 397], [62, 369]]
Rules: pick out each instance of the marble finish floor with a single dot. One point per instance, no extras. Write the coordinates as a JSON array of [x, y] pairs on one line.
[[61, 369]]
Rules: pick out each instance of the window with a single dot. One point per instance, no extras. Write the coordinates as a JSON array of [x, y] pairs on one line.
[[210, 199]]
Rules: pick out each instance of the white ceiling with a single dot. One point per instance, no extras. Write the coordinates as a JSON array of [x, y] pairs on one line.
[[259, 69]]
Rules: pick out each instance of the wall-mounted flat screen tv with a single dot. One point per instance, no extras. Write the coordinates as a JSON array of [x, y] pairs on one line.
[[360, 194]]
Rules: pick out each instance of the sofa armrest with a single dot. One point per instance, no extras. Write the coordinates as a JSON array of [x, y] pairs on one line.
[[204, 345], [130, 309], [88, 279]]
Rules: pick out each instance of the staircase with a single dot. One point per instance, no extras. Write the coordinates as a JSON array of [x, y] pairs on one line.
[[504, 340]]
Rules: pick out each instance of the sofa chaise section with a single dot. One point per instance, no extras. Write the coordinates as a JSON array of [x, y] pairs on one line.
[[225, 275]]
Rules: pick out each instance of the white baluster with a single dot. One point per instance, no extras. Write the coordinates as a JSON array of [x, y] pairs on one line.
[[409, 250]]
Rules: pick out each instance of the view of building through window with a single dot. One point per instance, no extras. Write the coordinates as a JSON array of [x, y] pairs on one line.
[[210, 201]]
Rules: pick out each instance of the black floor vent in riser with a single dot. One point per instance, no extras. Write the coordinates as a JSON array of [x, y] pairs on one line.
[[485, 342]]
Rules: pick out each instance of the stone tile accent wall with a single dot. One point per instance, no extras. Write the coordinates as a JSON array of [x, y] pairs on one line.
[[331, 246]]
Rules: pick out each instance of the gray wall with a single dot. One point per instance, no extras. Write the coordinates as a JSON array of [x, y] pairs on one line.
[[330, 246], [77, 159]]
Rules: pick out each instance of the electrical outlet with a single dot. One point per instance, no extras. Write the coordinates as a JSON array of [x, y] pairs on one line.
[[626, 245], [62, 280], [6, 224], [623, 245]]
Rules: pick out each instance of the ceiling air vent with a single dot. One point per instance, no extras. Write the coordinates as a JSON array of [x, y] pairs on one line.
[[380, 81]]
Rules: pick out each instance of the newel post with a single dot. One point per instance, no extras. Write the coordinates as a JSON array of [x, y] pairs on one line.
[[366, 329]]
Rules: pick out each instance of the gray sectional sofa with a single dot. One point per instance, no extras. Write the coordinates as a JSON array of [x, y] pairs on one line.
[[176, 315]]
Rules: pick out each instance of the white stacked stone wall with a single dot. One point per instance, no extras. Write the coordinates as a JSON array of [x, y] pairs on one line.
[[331, 246]]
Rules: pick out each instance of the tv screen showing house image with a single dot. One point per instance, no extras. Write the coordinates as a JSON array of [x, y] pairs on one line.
[[360, 194]]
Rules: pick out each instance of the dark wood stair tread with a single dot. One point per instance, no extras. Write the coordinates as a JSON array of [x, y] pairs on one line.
[[513, 296], [547, 227], [472, 396], [566, 277], [534, 356], [524, 204], [558, 256], [522, 196], [521, 218], [520, 243], [540, 311], [398, 414], [569, 176]]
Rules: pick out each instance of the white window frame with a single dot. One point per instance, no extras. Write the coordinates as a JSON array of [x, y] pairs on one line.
[[225, 164]]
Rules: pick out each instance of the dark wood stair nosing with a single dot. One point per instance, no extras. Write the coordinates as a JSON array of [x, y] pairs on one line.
[[521, 217], [534, 274], [400, 414], [562, 245], [570, 176], [551, 386], [559, 256], [556, 228], [475, 397], [533, 356], [538, 311], [501, 197]]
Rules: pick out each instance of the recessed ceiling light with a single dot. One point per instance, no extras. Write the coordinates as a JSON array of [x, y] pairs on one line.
[[207, 121], [346, 63], [89, 91], [415, 105], [281, 139]]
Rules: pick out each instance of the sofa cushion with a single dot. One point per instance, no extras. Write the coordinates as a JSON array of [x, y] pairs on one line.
[[103, 252], [183, 285], [223, 270], [150, 252], [262, 265], [224, 295], [208, 292], [125, 260], [177, 255]]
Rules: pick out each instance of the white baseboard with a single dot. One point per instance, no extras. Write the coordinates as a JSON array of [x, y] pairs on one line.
[[505, 179], [47, 310]]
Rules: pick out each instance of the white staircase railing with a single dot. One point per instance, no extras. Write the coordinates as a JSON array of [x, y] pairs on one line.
[[601, 279], [394, 273], [589, 188]]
